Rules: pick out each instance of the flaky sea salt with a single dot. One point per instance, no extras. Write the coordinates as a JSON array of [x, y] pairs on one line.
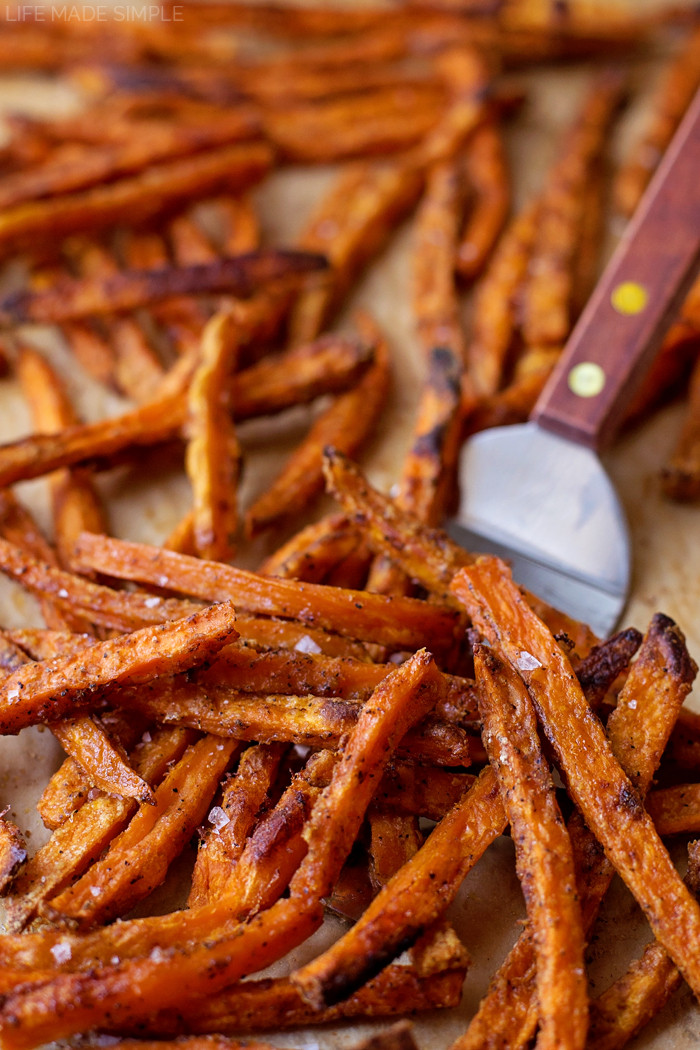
[[61, 952], [150, 603], [307, 645], [526, 661], [217, 818]]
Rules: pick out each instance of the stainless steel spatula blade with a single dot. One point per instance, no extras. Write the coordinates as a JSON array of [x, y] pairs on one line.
[[537, 494], [547, 506]]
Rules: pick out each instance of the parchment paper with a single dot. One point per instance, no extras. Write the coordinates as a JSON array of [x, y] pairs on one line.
[[665, 549]]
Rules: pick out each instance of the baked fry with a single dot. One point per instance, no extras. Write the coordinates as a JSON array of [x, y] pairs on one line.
[[13, 852], [644, 865], [398, 622], [36, 692], [489, 185], [137, 198], [345, 425], [672, 97], [544, 859], [127, 290], [213, 455], [680, 477]]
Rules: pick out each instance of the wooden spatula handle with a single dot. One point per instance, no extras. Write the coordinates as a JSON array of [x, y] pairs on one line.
[[636, 299]]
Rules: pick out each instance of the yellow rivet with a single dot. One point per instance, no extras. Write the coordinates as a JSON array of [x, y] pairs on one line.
[[586, 379], [629, 298]]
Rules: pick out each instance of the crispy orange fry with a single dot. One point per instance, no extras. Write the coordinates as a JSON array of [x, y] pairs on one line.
[[137, 860], [615, 815], [345, 425], [39, 692], [312, 552], [87, 742], [681, 475], [127, 290], [487, 172], [398, 622], [213, 457], [494, 322], [135, 989], [544, 859], [415, 896], [424, 554], [13, 852], [672, 98], [241, 801], [136, 198], [638, 730], [548, 292], [79, 841], [76, 504], [349, 226]]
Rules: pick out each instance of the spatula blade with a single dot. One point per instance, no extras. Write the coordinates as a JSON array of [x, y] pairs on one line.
[[546, 505]]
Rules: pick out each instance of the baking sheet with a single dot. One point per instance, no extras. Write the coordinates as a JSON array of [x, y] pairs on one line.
[[666, 554]]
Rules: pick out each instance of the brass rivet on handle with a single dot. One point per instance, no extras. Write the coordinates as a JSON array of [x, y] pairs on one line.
[[629, 298], [586, 379]]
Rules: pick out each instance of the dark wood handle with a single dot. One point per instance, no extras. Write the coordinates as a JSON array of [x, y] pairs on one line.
[[637, 297]]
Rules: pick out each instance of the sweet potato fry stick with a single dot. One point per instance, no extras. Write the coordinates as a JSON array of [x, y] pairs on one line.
[[82, 839], [398, 622], [349, 226], [649, 700], [425, 554], [411, 899], [345, 425], [213, 456], [672, 98], [487, 173], [87, 742], [137, 860], [136, 198], [548, 292], [544, 859], [70, 168], [13, 852], [76, 504], [675, 810], [138, 371], [39, 692], [134, 989], [613, 813], [634, 999], [313, 551], [127, 290], [681, 475], [494, 323], [241, 801]]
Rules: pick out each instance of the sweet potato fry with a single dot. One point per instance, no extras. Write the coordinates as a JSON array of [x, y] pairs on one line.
[[86, 741], [413, 790], [494, 320], [136, 198], [137, 860], [680, 477], [345, 425], [398, 622], [614, 814], [548, 292], [223, 843], [71, 167], [213, 456], [80, 840], [133, 989], [349, 226], [623, 1009], [411, 899], [47, 692], [487, 173], [13, 852], [672, 98], [312, 552], [425, 554], [509, 1010], [76, 504], [544, 859], [127, 290], [675, 810]]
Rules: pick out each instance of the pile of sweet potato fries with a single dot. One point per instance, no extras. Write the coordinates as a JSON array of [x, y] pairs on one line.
[[350, 727]]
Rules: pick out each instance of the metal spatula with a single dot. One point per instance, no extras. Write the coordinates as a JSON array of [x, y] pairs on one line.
[[537, 494]]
